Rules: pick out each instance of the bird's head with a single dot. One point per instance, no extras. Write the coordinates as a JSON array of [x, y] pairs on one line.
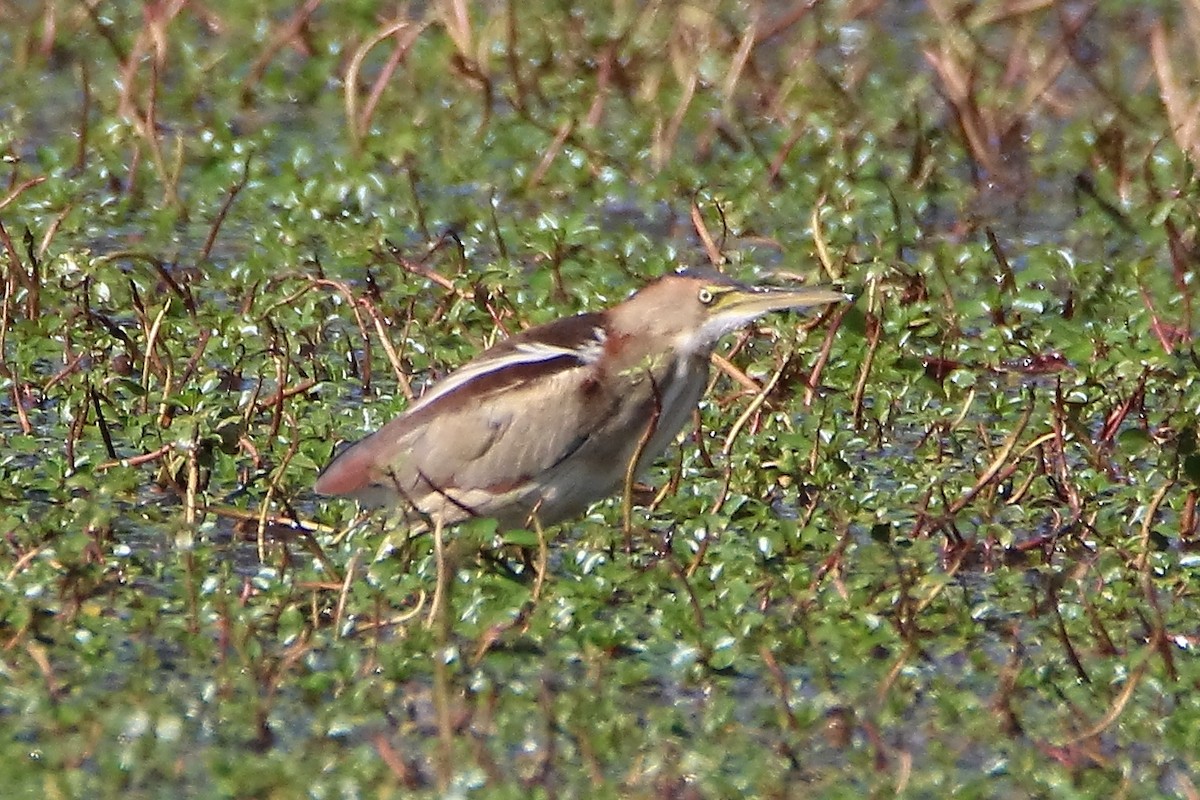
[[688, 311]]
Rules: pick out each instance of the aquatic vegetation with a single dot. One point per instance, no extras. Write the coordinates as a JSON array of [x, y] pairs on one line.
[[940, 541]]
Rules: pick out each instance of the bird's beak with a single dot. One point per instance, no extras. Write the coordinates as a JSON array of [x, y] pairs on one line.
[[752, 302], [742, 304]]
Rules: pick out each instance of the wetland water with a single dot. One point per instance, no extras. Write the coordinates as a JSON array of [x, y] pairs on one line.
[[950, 552]]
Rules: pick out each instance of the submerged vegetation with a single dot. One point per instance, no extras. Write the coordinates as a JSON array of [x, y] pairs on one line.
[[942, 541]]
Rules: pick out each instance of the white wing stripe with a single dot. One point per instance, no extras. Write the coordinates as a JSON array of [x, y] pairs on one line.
[[524, 353]]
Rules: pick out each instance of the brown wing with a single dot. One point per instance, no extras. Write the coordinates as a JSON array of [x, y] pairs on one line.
[[502, 419], [508, 436]]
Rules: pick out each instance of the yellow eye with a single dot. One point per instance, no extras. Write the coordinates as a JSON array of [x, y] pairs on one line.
[[705, 296]]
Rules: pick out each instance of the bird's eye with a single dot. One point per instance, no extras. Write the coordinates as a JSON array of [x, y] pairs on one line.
[[705, 296]]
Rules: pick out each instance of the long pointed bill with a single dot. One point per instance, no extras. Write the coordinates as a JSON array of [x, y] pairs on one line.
[[741, 305], [737, 306], [754, 301]]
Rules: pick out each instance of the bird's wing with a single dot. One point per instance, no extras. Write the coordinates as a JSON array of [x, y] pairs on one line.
[[500, 420], [512, 435]]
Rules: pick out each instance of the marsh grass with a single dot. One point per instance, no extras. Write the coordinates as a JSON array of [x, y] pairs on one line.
[[939, 542]]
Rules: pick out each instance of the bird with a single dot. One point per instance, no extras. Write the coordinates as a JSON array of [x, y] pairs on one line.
[[543, 424]]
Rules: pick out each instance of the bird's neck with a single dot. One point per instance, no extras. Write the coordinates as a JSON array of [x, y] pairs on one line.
[[626, 351]]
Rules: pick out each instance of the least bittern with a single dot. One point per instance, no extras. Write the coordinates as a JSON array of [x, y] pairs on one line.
[[549, 421], [543, 424]]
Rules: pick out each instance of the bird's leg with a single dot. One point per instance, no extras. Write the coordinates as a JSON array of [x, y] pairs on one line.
[[439, 616], [631, 467], [437, 609], [543, 553]]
